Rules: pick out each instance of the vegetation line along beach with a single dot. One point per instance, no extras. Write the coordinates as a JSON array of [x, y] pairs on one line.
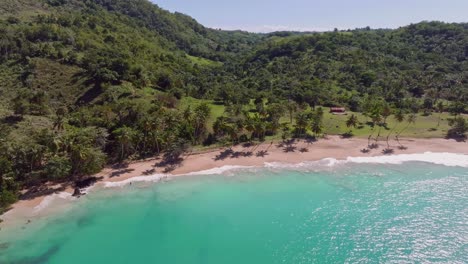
[[88, 87]]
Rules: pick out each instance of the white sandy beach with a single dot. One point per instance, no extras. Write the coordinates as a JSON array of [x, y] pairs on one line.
[[257, 156]]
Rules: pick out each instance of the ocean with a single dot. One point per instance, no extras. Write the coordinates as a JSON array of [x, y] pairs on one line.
[[399, 209]]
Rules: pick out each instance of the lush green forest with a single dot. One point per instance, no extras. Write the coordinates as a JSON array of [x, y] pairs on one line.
[[85, 83]]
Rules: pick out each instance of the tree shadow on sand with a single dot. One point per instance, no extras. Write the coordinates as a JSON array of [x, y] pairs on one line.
[[149, 172], [373, 146], [170, 164], [289, 149], [120, 172], [231, 154], [365, 150], [303, 150], [261, 153], [388, 151], [224, 154], [39, 191]]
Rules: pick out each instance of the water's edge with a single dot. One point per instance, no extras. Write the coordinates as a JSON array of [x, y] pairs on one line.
[[441, 158]]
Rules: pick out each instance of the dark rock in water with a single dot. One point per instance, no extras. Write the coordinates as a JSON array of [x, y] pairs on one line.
[[85, 183], [77, 192]]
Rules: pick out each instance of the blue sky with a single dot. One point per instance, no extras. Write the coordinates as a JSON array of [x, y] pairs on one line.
[[320, 15]]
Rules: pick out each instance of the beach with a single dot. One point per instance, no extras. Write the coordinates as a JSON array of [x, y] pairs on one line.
[[247, 155]]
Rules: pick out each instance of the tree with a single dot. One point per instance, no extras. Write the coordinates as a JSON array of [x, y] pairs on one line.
[[86, 160], [399, 117], [57, 168], [352, 122], [292, 108], [459, 127], [201, 114], [59, 118], [302, 121], [125, 137], [317, 121], [456, 108], [385, 113], [376, 118], [410, 119], [5, 169], [440, 109]]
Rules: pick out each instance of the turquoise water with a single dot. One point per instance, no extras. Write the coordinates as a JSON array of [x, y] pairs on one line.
[[361, 213]]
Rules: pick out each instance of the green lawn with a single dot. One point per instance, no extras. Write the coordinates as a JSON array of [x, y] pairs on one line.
[[425, 126], [203, 61], [217, 110]]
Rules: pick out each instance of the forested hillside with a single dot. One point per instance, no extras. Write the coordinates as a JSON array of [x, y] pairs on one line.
[[84, 83], [426, 60]]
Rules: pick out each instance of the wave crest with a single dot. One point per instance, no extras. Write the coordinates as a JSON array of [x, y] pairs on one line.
[[444, 158]]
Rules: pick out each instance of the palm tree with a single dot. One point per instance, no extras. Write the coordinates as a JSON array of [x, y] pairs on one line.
[[410, 119], [317, 120], [125, 136], [352, 122], [59, 118], [316, 126], [376, 119], [399, 116], [219, 126], [259, 126], [302, 120], [200, 116], [292, 108], [440, 109], [385, 113]]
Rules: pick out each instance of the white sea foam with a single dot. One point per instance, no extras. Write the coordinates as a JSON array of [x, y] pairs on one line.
[[447, 159], [218, 170], [47, 201], [151, 178], [323, 163], [158, 177]]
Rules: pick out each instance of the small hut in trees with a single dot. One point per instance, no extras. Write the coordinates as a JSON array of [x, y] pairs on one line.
[[338, 110]]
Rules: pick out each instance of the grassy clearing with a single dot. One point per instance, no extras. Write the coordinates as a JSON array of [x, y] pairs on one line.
[[425, 126], [217, 110], [203, 61]]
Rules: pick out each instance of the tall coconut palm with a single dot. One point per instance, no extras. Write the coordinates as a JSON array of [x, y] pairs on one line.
[[352, 122], [317, 121], [399, 116], [385, 113], [302, 120], [440, 108], [410, 119], [376, 119], [200, 116], [125, 137], [292, 108]]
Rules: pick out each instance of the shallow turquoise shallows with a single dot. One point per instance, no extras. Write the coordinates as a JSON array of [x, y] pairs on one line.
[[361, 213]]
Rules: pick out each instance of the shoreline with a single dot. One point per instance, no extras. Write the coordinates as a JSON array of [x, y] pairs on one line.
[[256, 155]]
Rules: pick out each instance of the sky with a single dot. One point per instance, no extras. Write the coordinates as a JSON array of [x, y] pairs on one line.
[[316, 15]]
